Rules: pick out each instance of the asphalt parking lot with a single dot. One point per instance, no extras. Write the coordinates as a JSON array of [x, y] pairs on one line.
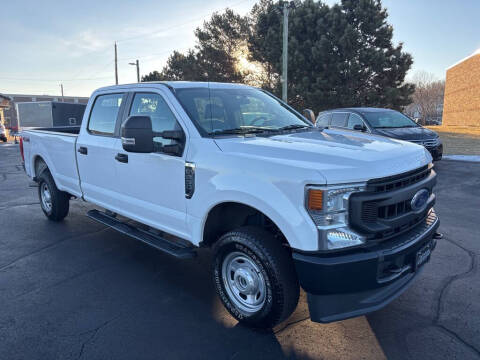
[[77, 290]]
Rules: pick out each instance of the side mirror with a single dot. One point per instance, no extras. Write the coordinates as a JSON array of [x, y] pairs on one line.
[[137, 134], [310, 115], [359, 127]]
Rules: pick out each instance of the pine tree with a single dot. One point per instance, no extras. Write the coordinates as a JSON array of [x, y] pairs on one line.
[[339, 56]]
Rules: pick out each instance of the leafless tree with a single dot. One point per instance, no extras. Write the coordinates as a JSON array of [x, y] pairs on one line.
[[428, 97]]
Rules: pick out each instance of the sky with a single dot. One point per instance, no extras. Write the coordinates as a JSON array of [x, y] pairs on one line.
[[47, 43]]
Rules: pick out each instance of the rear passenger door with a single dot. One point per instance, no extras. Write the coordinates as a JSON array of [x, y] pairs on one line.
[[95, 150]]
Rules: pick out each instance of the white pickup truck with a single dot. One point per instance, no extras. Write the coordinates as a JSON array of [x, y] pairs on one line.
[[345, 215]]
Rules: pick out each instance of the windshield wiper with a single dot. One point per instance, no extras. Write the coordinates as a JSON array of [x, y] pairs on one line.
[[256, 130], [293, 127], [240, 130]]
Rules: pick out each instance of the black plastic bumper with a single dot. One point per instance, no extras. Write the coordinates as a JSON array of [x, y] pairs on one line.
[[436, 152], [347, 285]]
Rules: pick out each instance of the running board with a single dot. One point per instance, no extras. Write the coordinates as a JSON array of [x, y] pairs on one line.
[[174, 249]]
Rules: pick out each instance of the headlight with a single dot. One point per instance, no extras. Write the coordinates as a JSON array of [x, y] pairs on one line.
[[328, 208]]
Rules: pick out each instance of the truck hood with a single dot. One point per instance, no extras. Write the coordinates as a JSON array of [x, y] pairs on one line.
[[413, 133], [339, 156]]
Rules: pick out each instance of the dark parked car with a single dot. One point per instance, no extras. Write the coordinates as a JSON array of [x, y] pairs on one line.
[[383, 122]]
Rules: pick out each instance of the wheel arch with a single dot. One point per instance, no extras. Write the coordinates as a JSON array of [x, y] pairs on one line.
[[39, 165], [229, 215]]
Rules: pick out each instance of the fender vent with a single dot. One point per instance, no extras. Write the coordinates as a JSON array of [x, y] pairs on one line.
[[189, 179]]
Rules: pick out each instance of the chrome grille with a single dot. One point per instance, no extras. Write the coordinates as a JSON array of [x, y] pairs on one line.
[[426, 143]]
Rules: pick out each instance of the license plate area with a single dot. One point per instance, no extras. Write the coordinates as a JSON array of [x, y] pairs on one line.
[[422, 256]]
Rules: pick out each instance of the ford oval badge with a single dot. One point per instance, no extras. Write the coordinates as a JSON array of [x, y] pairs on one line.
[[419, 200]]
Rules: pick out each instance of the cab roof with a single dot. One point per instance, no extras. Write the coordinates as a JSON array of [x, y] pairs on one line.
[[176, 85]]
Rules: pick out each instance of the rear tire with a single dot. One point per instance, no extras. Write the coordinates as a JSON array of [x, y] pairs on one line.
[[55, 203], [255, 277]]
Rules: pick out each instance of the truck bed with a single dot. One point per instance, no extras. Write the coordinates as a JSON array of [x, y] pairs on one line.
[[57, 148]]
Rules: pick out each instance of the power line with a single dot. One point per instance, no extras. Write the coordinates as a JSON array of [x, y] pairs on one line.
[[156, 54], [104, 49], [52, 80], [107, 47], [180, 25]]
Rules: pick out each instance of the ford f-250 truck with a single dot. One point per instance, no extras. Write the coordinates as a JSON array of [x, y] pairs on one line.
[[347, 216]]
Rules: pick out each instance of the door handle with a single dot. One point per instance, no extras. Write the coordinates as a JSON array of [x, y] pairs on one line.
[[121, 158], [83, 150]]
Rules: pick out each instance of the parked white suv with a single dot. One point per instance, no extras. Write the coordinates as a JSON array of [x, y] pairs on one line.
[[347, 216]]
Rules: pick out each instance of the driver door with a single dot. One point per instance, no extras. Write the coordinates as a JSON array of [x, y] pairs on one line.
[[151, 187]]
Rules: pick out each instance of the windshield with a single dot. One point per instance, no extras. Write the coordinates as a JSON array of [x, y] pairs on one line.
[[217, 111], [389, 119]]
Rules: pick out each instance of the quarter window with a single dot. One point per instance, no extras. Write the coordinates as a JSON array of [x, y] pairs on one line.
[[338, 119], [103, 116], [154, 105]]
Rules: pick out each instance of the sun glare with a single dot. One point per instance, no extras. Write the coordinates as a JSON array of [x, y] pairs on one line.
[[253, 71]]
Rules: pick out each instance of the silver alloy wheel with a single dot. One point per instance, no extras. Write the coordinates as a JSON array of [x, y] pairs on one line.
[[244, 282], [46, 197]]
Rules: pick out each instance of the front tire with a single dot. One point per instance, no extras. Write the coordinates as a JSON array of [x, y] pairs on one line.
[[55, 203], [255, 277]]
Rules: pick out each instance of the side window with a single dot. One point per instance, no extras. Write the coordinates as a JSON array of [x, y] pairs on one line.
[[338, 119], [103, 116], [153, 105], [323, 119], [353, 120]]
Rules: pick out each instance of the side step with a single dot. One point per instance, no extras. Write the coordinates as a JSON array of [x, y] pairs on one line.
[[175, 249]]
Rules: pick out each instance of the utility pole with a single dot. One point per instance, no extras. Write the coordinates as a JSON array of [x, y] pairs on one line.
[[138, 71], [136, 63], [61, 88], [116, 65], [286, 7]]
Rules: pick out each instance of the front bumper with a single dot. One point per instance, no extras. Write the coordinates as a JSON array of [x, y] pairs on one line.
[[436, 151], [341, 286]]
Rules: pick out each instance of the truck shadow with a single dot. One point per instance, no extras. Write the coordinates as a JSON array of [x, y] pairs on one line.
[[190, 315], [179, 311]]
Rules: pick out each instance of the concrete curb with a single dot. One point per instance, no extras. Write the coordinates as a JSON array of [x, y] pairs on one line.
[[470, 158]]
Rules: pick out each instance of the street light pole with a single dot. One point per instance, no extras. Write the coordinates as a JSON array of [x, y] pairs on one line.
[[285, 9], [138, 69]]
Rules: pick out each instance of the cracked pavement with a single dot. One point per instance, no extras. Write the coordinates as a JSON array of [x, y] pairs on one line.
[[77, 290]]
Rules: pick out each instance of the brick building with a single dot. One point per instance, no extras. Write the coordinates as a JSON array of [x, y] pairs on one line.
[[462, 92]]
